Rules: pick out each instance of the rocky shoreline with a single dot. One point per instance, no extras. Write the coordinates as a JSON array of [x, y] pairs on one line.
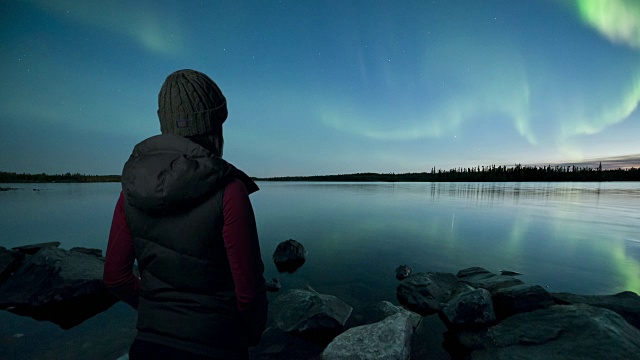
[[53, 284], [485, 315]]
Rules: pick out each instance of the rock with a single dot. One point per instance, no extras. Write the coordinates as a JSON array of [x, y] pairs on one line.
[[68, 313], [306, 310], [427, 293], [53, 274], [387, 339], [626, 303], [557, 332], [34, 248], [473, 271], [289, 256], [384, 309], [469, 309], [273, 285], [403, 271], [478, 277], [9, 262], [520, 298], [57, 285], [509, 273], [427, 340], [280, 345], [89, 251]]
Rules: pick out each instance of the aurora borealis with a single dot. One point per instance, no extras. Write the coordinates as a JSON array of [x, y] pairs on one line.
[[326, 87]]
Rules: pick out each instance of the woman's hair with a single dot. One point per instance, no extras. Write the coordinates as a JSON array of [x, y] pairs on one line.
[[212, 142]]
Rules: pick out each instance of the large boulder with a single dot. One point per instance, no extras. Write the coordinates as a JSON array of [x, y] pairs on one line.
[[57, 285], [34, 248], [385, 309], [478, 277], [557, 332], [51, 275], [289, 256], [90, 251], [520, 298], [469, 309], [9, 262], [626, 303], [300, 311], [389, 339], [427, 293]]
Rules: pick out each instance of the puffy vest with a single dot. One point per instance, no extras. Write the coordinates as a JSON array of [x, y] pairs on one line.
[[187, 298]]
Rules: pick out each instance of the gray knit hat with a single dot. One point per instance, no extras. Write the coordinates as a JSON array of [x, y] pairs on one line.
[[190, 103]]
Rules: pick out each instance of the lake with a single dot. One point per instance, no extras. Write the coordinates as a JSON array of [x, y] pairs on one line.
[[575, 237]]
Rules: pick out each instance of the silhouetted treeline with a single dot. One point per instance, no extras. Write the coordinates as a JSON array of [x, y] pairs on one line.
[[485, 173], [479, 173], [11, 177]]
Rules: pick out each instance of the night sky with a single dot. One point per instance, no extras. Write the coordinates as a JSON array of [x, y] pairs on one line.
[[326, 87]]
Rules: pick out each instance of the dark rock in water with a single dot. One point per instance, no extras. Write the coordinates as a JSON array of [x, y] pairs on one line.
[[57, 283], [306, 310], [69, 313], [289, 256], [469, 309], [9, 262], [626, 303], [427, 340], [478, 277], [557, 332], [403, 271], [509, 273], [273, 285], [520, 298], [427, 293], [281, 345], [389, 339], [52, 275], [89, 251], [33, 248], [473, 271]]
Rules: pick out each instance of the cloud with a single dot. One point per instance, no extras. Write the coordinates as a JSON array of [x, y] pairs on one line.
[[617, 20], [145, 26]]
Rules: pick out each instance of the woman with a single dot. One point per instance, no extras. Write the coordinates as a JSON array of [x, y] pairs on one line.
[[184, 214]]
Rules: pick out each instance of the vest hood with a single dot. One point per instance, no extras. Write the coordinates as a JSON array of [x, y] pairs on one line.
[[166, 173]]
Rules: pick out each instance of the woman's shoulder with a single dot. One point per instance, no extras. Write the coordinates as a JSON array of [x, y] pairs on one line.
[[236, 185]]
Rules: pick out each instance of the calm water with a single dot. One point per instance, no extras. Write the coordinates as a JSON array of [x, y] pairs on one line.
[[576, 237]]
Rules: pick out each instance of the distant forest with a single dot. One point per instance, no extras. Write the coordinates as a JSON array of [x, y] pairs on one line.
[[479, 173], [485, 173], [11, 177]]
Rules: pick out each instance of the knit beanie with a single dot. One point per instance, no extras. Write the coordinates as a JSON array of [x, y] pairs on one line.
[[190, 103]]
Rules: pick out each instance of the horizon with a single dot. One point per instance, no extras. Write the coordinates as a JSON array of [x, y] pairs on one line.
[[617, 163], [328, 87]]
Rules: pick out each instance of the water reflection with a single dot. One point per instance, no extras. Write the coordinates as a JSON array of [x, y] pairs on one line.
[[575, 237], [567, 236]]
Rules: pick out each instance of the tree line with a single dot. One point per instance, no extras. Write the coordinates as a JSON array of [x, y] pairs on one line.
[[485, 173], [477, 174], [11, 177]]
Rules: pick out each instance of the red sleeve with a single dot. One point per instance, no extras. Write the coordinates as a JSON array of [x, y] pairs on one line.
[[118, 266], [243, 249]]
